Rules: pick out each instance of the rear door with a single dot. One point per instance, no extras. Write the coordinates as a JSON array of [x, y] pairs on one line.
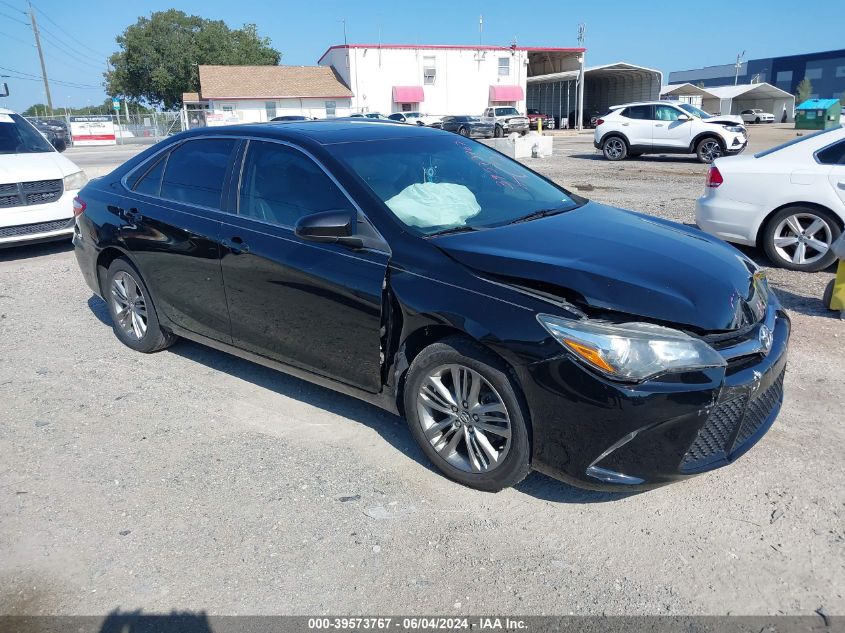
[[636, 124], [834, 155], [172, 224], [668, 131], [315, 306]]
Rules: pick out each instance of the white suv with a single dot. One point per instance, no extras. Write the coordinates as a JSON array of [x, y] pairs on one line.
[[663, 127]]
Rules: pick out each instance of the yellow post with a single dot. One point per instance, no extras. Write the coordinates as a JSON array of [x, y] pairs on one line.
[[837, 297], [540, 125]]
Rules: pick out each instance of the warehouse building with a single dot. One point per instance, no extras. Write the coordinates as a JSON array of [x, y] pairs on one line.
[[825, 70]]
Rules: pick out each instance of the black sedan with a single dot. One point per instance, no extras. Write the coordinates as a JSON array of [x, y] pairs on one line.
[[464, 125], [515, 325]]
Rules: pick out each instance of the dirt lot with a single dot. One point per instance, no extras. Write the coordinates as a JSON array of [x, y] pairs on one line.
[[190, 480]]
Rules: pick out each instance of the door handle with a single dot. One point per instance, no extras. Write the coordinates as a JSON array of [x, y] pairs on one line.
[[236, 244], [658, 125], [133, 215], [626, 124]]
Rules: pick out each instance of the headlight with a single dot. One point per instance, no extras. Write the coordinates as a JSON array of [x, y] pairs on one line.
[[734, 128], [75, 181], [631, 351]]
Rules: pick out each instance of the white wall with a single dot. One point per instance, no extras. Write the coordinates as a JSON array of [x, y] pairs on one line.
[[462, 83], [254, 110]]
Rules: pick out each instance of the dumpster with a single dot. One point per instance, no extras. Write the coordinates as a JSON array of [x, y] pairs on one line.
[[818, 114]]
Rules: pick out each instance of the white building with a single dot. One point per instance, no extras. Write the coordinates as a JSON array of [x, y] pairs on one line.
[[441, 79], [251, 94], [734, 99]]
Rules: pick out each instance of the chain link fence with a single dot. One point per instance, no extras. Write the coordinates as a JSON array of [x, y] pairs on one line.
[[125, 128]]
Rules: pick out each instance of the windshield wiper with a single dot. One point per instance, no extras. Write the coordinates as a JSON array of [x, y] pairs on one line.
[[540, 213], [455, 229]]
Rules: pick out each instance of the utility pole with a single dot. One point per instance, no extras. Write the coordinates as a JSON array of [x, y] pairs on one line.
[[582, 32], [41, 57], [480, 29], [738, 66]]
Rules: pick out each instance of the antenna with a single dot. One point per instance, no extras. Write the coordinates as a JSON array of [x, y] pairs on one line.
[[582, 33]]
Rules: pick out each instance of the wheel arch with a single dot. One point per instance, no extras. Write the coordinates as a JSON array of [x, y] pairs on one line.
[[703, 135], [105, 259], [617, 133], [810, 205]]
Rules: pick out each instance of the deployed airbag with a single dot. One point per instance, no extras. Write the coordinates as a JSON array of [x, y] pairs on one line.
[[429, 204]]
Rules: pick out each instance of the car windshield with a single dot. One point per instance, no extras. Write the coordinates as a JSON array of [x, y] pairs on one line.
[[438, 184], [506, 111], [17, 136], [691, 109], [799, 139]]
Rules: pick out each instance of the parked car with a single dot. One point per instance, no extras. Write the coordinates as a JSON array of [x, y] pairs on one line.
[[55, 134], [369, 115], [290, 117], [534, 115], [515, 325], [37, 185], [788, 200], [505, 120], [756, 115], [466, 125], [662, 127], [414, 118]]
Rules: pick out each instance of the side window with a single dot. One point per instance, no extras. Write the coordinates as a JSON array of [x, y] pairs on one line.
[[666, 113], [195, 171], [280, 185], [833, 155], [637, 112], [150, 181]]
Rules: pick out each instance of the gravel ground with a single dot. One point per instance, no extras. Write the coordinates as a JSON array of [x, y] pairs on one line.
[[190, 480]]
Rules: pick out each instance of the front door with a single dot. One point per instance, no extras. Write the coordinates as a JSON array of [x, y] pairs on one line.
[[172, 223], [668, 131], [316, 306]]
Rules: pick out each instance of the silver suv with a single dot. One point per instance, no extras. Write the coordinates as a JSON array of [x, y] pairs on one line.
[[664, 127], [505, 119]]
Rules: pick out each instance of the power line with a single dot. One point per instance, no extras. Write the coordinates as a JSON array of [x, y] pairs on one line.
[[14, 19], [16, 39], [59, 26], [66, 84], [66, 51], [11, 6], [72, 47]]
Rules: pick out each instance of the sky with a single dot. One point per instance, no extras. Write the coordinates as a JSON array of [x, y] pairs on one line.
[[667, 35]]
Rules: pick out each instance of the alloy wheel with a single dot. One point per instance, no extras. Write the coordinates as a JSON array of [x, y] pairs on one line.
[[130, 306], [802, 238], [464, 418], [710, 150], [614, 148]]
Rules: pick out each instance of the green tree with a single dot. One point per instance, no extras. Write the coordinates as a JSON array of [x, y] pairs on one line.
[[36, 109], [160, 55], [803, 91]]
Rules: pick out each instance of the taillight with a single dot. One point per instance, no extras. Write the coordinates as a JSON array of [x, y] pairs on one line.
[[714, 177], [599, 122], [79, 206]]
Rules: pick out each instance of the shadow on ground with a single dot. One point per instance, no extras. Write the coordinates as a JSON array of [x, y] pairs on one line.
[[645, 158], [28, 251]]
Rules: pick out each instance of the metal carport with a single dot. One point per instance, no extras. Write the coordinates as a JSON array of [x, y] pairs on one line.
[[735, 99], [556, 94]]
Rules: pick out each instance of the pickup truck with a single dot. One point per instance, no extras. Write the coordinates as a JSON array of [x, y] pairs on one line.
[[535, 115], [505, 119]]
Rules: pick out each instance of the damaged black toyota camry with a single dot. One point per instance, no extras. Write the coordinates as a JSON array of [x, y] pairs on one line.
[[515, 325]]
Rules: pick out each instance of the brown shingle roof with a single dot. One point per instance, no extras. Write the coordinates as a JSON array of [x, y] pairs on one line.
[[228, 82], [190, 97]]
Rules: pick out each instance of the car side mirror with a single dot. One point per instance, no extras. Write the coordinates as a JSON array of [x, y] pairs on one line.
[[337, 227], [684, 117]]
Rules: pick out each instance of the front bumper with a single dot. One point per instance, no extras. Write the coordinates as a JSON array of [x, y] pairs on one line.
[[515, 127], [29, 224], [595, 433]]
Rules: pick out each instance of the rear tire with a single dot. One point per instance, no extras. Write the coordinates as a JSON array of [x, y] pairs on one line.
[[782, 238], [757, 120], [448, 426], [614, 148], [132, 311], [463, 131]]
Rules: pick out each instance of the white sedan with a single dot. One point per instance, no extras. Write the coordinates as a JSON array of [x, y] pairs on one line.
[[756, 115], [789, 200]]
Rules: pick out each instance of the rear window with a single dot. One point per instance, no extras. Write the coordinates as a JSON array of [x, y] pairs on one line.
[[195, 171], [832, 155], [795, 141], [637, 112]]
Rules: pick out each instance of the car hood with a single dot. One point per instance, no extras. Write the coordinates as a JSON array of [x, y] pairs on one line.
[[34, 166], [621, 261], [725, 119]]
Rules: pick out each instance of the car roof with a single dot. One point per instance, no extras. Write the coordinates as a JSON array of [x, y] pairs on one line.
[[324, 132], [5, 111], [636, 103]]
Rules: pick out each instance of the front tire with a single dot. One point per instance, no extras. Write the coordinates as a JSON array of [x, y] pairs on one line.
[[614, 148], [498, 132], [708, 150], [799, 238], [467, 415], [757, 120], [132, 311], [463, 131]]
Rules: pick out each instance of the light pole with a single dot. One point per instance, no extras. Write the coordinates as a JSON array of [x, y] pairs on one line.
[[738, 66]]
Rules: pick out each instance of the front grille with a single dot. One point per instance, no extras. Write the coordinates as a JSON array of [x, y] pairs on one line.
[[27, 193], [730, 425], [32, 229]]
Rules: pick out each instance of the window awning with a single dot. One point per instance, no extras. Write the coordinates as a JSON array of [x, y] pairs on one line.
[[506, 93], [408, 94]]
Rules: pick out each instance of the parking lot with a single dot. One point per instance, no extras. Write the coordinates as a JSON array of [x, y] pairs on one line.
[[191, 480]]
